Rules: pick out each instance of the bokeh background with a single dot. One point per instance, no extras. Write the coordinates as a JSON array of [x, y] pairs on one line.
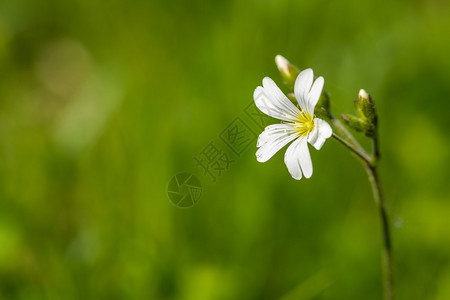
[[102, 102]]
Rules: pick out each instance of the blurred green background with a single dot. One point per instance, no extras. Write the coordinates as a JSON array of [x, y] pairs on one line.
[[102, 102]]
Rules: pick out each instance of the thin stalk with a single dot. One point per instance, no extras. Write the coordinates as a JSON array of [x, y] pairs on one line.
[[359, 152], [370, 163], [387, 245], [376, 149]]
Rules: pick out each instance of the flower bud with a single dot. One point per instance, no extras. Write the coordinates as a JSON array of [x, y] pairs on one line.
[[366, 107], [288, 71], [354, 122], [359, 124], [363, 95]]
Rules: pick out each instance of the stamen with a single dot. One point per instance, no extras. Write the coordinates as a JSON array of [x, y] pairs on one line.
[[305, 123]]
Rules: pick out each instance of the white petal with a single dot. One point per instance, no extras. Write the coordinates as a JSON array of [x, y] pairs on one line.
[[313, 135], [273, 131], [291, 161], [271, 101], [314, 95], [298, 160], [305, 159], [276, 93], [306, 92], [272, 139], [303, 86], [322, 130]]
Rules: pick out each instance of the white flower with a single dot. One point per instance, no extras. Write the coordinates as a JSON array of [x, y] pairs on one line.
[[299, 126]]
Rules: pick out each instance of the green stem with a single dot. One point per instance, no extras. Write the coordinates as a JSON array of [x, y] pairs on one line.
[[358, 152], [387, 245], [376, 149], [370, 163]]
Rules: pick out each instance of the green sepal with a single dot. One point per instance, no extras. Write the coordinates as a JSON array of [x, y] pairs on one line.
[[324, 101], [322, 113], [359, 124], [365, 106]]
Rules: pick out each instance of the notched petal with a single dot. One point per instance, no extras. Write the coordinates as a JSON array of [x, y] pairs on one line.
[[272, 139], [271, 101], [322, 131]]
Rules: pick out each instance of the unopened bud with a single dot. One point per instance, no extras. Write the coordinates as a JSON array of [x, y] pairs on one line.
[[366, 107], [354, 122], [363, 95], [359, 124], [288, 71], [282, 64]]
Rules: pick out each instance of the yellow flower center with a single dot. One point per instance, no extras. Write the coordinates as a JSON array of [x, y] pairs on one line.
[[304, 124]]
